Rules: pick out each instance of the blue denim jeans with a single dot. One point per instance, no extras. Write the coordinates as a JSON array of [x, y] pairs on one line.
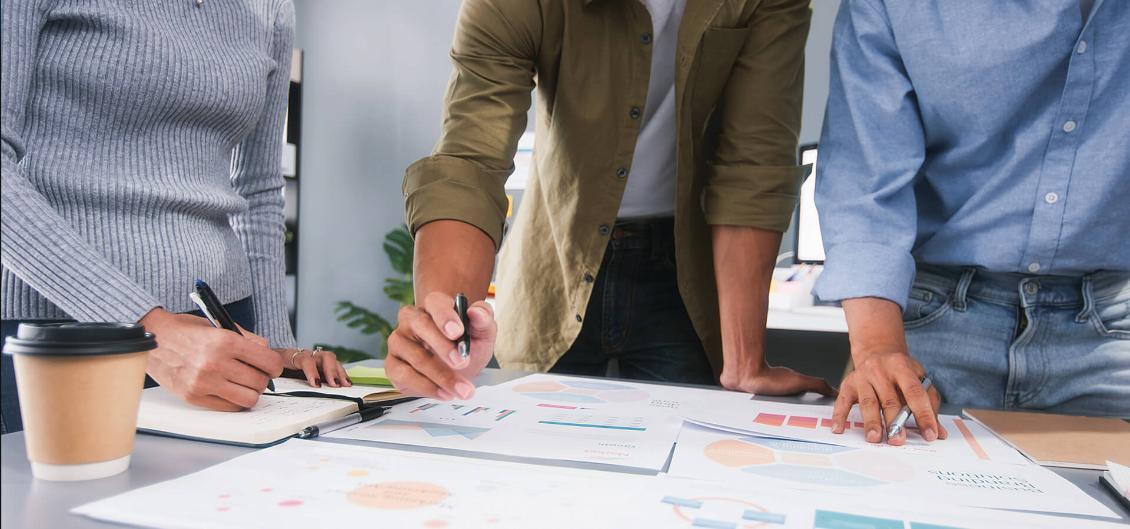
[[1000, 340], [635, 314], [10, 420]]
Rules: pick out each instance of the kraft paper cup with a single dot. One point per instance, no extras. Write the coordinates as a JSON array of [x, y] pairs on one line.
[[80, 386]]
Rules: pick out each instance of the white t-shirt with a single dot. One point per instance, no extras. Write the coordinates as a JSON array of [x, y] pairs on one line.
[[650, 188]]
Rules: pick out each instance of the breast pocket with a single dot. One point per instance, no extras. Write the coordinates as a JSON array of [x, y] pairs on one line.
[[720, 48]]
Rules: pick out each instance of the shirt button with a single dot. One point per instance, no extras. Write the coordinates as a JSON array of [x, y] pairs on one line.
[[634, 113], [622, 172], [1034, 267], [1031, 287], [645, 39], [1081, 48], [1069, 126], [1051, 198], [579, 318], [588, 278], [604, 229]]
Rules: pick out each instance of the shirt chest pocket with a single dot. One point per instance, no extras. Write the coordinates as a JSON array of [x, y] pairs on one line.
[[720, 48]]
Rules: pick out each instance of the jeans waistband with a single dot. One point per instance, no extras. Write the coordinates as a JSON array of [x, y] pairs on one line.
[[656, 235], [1025, 290]]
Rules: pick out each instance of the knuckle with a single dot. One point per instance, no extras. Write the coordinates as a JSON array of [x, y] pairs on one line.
[[867, 401], [891, 402], [196, 386]]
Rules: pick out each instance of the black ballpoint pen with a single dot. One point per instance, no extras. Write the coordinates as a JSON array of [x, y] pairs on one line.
[[461, 307], [216, 313]]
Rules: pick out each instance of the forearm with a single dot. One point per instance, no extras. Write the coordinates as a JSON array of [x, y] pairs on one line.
[[452, 256], [743, 267], [874, 326]]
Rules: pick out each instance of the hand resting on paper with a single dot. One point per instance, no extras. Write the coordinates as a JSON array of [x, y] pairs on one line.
[[206, 366], [885, 375], [422, 357]]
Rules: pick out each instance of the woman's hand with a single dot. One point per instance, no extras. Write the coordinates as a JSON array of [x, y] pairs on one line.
[[318, 365], [206, 366]]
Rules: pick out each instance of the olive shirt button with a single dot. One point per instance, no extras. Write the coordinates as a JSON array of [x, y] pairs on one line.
[[604, 229], [634, 113]]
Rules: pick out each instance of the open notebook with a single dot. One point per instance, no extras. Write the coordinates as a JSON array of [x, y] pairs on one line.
[[276, 417]]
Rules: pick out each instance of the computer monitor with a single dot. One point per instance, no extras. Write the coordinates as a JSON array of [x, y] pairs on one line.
[[809, 245]]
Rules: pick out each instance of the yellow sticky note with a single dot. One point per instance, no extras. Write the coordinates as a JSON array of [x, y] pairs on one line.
[[368, 376]]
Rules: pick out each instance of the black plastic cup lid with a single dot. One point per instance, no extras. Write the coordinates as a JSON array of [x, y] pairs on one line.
[[69, 339]]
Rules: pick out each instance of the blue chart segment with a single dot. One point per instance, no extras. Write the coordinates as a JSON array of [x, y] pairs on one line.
[[434, 430], [606, 422], [842, 520], [722, 513]]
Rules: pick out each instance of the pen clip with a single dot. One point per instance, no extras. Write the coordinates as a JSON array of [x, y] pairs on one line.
[[203, 308]]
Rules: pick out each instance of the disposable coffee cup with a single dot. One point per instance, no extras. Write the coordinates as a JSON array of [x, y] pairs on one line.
[[80, 386]]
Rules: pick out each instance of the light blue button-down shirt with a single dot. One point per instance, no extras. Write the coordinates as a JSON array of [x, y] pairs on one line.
[[993, 134]]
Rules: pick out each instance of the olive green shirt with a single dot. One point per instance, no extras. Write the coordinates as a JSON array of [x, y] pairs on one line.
[[738, 84]]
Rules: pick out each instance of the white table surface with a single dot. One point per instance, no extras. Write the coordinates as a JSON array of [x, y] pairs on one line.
[[27, 502]]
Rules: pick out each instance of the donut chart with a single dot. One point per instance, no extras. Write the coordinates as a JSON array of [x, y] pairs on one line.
[[580, 391], [811, 463]]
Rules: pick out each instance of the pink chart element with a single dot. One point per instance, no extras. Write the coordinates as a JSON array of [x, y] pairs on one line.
[[290, 503]]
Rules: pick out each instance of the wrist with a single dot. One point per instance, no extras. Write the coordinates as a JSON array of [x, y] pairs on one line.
[[154, 316]]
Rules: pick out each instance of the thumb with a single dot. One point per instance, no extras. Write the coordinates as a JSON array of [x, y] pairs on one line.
[[480, 318]]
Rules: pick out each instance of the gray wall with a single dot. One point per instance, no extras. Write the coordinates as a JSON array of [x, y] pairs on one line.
[[373, 83]]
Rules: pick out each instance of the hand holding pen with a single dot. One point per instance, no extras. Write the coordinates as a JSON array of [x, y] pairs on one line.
[[889, 387], [439, 345]]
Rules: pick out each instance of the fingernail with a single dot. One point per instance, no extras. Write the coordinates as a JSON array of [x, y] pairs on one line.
[[451, 329], [836, 425], [457, 360], [464, 389], [873, 436], [930, 434], [444, 395]]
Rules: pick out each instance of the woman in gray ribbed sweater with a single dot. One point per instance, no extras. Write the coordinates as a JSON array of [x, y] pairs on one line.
[[141, 150]]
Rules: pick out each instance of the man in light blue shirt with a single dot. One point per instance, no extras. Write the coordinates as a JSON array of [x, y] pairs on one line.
[[974, 196]]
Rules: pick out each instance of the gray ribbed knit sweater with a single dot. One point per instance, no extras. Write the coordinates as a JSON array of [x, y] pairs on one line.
[[141, 150]]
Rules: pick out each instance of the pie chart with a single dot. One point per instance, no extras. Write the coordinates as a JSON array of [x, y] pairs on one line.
[[580, 391], [811, 463]]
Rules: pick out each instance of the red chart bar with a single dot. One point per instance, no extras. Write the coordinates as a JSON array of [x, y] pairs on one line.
[[827, 423], [803, 422], [770, 419]]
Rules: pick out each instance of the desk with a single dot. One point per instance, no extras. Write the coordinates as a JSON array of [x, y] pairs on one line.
[[41, 504]]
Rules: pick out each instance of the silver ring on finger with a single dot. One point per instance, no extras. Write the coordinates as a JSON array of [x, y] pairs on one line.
[[294, 356]]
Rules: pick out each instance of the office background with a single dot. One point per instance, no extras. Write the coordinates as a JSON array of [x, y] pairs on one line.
[[373, 82]]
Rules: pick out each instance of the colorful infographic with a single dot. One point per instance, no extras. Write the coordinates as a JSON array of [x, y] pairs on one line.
[[579, 391], [775, 463], [525, 429], [967, 439], [304, 484], [811, 463], [570, 393]]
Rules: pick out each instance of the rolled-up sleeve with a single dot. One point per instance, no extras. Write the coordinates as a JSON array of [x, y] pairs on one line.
[[753, 178], [493, 52], [871, 151]]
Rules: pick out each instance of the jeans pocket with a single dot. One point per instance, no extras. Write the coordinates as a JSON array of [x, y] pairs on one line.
[[1112, 319], [924, 305]]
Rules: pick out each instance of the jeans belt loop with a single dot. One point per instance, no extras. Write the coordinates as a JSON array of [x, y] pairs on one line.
[[1088, 292], [962, 290]]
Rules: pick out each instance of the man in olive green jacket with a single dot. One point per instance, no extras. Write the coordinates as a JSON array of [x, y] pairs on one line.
[[666, 133]]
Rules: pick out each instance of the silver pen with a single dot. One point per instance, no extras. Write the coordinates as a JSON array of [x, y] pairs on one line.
[[365, 414], [904, 414]]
